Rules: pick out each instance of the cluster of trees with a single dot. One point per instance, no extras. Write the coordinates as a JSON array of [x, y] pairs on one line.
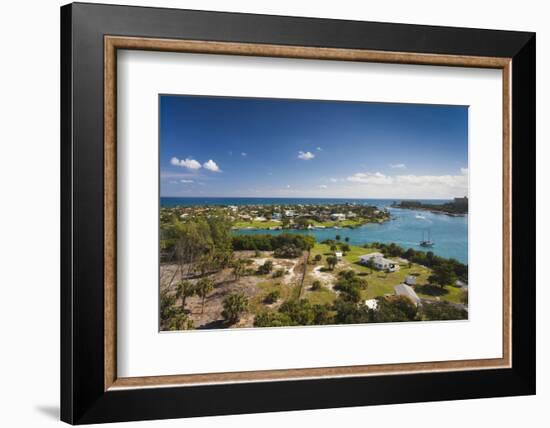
[[296, 312], [200, 245], [350, 286], [441, 311], [446, 271], [335, 244], [172, 317], [286, 243], [344, 311], [448, 207]]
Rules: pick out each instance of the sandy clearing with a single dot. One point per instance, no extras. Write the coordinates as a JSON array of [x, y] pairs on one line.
[[326, 278]]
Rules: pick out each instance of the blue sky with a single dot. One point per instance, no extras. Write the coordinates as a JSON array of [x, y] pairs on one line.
[[217, 146]]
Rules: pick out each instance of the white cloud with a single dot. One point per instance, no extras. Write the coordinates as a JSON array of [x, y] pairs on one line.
[[305, 155], [187, 181], [319, 149], [452, 181], [369, 184], [323, 186], [211, 166], [334, 180], [370, 178], [186, 163], [397, 165], [288, 186], [464, 171], [243, 154]]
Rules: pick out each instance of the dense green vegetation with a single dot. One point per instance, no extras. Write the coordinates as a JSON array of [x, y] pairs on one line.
[[344, 310], [272, 242], [448, 207], [234, 306]]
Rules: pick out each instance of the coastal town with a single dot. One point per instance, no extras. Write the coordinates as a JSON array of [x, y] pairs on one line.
[[213, 277], [285, 216]]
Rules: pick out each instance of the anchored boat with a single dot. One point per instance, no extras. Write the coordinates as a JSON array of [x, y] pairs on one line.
[[426, 242]]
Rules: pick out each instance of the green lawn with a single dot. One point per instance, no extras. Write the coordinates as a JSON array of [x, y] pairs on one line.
[[287, 291], [327, 224], [347, 223], [255, 224], [319, 297], [380, 283]]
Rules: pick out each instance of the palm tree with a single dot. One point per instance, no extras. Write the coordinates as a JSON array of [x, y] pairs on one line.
[[331, 261], [184, 289], [233, 306], [238, 269], [204, 286]]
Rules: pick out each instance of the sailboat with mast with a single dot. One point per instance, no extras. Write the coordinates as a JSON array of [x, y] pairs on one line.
[[427, 242]]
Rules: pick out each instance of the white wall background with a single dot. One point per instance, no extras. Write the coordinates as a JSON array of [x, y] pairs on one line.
[[29, 214]]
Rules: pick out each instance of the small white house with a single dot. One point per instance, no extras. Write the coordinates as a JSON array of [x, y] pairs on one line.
[[289, 213], [379, 262], [410, 280], [338, 255], [405, 290], [337, 217]]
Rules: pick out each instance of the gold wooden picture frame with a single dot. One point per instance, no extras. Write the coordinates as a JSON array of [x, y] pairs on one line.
[[114, 43]]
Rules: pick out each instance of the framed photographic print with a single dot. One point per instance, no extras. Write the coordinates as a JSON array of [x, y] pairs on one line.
[[265, 213]]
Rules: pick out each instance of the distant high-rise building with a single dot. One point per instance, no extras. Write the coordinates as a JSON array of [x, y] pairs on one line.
[[461, 202]]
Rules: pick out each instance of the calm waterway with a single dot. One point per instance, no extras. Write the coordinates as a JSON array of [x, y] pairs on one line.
[[406, 227]]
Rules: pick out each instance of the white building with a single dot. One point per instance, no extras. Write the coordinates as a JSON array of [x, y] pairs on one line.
[[337, 217], [405, 290], [338, 255], [410, 280], [379, 262], [289, 213]]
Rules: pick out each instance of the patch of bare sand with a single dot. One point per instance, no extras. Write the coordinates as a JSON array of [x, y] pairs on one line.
[[327, 278], [288, 265]]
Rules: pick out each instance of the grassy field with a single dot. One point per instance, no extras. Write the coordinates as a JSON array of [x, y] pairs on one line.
[[344, 223], [287, 291], [380, 283], [254, 224]]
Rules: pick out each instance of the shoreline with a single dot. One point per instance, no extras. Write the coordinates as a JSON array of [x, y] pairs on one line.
[[431, 210]]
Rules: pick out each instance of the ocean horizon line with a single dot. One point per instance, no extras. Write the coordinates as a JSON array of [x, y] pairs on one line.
[[305, 197]]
